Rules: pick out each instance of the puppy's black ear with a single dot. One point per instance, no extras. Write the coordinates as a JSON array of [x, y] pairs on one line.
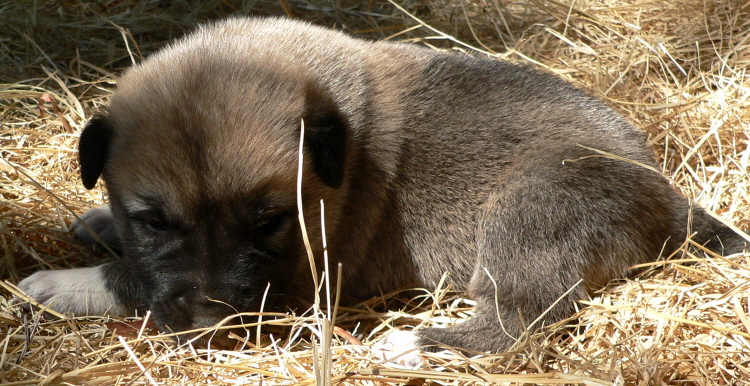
[[93, 149], [325, 136]]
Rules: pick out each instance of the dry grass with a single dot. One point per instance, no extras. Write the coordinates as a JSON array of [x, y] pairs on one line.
[[677, 69]]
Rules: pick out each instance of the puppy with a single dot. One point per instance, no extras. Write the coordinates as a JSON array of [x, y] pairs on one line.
[[428, 162]]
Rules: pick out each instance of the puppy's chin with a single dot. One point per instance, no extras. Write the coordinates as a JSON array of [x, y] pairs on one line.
[[215, 338], [182, 314], [210, 332], [185, 322]]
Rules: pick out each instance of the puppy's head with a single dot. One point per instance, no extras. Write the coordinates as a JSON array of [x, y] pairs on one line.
[[200, 158]]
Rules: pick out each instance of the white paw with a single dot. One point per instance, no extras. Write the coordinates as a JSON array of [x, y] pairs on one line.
[[399, 347], [80, 291]]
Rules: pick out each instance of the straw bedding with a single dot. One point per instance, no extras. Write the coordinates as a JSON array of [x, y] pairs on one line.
[[677, 69]]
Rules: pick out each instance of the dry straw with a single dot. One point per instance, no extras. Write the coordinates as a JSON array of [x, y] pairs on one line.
[[677, 69]]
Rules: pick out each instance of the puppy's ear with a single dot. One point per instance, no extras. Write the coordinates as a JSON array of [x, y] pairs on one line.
[[325, 136], [93, 149]]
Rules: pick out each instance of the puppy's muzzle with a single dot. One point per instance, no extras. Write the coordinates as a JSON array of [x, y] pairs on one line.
[[189, 308]]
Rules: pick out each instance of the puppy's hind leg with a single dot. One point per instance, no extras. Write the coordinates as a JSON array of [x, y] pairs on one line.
[[547, 237], [526, 262], [507, 305]]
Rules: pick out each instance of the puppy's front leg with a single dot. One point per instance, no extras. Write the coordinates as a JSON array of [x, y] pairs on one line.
[[106, 289], [101, 221]]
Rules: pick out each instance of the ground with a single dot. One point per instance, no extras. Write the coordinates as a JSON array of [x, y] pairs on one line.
[[679, 70]]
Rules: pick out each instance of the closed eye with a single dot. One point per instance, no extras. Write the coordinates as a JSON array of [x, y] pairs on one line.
[[268, 225], [150, 221], [156, 225]]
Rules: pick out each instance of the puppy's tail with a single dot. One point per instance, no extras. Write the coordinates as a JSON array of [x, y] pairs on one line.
[[706, 230]]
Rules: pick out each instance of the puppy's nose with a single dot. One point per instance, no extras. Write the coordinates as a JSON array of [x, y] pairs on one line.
[[207, 312], [185, 295], [201, 308], [181, 300], [195, 303]]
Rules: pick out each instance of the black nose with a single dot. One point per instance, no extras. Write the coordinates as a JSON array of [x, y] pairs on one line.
[[199, 308], [184, 295]]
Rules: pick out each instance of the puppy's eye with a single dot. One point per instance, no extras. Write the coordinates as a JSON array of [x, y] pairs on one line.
[[156, 225], [270, 224], [150, 222]]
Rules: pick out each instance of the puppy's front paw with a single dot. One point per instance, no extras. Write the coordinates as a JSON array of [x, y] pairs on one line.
[[399, 347], [81, 291], [101, 221]]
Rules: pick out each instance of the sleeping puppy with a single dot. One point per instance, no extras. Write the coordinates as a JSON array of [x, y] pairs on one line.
[[428, 162]]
